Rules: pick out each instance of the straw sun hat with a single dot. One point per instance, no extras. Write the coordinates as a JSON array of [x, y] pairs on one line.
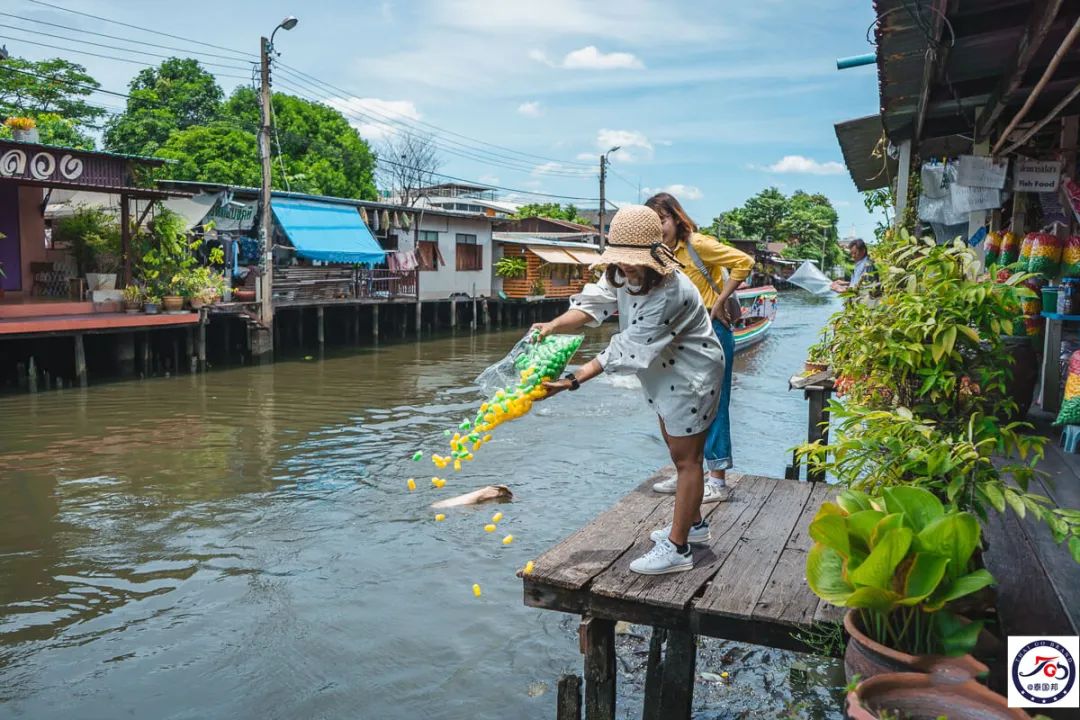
[[636, 238]]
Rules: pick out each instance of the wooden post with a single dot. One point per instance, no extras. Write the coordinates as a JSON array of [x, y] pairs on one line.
[[356, 325], [300, 328], [569, 698], [31, 374], [818, 427], [144, 351], [375, 322], [677, 686], [320, 313], [1070, 135], [1051, 369], [1019, 213], [977, 218], [597, 636], [472, 323], [189, 351], [400, 310], [903, 175], [200, 346], [654, 673], [80, 360], [453, 313], [125, 354], [125, 240], [226, 329], [487, 314], [419, 317]]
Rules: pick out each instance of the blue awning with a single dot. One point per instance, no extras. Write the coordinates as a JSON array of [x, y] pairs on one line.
[[327, 232]]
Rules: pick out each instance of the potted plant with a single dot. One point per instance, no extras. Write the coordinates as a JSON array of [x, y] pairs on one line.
[[94, 239], [511, 267], [898, 562], [133, 299], [947, 691], [151, 303], [23, 129], [537, 289], [173, 299]]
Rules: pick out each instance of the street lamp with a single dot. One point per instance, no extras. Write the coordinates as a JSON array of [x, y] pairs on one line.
[[266, 235], [603, 178]]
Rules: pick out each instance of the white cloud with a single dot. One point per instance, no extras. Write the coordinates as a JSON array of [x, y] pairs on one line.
[[680, 191], [375, 118], [634, 146], [589, 58], [797, 164], [489, 179], [530, 109], [588, 156], [558, 168]]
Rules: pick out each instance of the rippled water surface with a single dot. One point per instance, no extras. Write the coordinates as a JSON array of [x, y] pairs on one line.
[[241, 544]]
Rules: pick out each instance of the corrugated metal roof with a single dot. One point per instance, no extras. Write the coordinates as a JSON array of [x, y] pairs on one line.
[[862, 141]]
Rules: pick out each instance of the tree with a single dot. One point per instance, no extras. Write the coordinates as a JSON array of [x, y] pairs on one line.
[[807, 222], [176, 95], [551, 210], [217, 153], [42, 87], [321, 152], [411, 161]]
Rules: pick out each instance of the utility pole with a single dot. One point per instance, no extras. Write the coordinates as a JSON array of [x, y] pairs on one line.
[[603, 180], [266, 307]]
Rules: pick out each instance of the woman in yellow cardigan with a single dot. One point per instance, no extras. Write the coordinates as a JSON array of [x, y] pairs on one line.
[[716, 270]]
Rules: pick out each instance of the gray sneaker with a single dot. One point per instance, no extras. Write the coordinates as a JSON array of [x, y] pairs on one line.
[[696, 534], [662, 559]]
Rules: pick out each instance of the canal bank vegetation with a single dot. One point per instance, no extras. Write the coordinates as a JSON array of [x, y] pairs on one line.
[[928, 446]]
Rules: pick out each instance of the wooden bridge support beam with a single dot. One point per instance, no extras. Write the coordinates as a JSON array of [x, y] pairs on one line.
[[597, 637], [80, 360]]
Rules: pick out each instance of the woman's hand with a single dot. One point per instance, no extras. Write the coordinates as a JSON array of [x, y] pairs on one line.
[[544, 329], [554, 387], [719, 312]]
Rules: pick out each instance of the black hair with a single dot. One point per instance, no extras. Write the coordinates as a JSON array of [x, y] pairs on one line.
[[651, 279]]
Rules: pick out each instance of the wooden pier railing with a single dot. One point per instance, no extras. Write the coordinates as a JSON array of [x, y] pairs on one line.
[[303, 285]]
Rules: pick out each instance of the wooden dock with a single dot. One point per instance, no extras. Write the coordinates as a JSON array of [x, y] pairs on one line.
[[747, 585]]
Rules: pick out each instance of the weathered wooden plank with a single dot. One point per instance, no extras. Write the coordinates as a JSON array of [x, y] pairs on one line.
[[729, 521], [740, 581], [677, 686], [787, 597], [579, 558], [569, 707], [599, 640]]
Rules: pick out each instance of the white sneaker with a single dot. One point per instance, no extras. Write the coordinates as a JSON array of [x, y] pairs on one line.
[[716, 493], [696, 534], [713, 492], [662, 559]]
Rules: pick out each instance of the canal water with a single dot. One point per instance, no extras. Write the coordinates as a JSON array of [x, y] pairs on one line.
[[241, 544]]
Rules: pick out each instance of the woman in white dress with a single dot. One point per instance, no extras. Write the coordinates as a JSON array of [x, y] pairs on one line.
[[665, 337]]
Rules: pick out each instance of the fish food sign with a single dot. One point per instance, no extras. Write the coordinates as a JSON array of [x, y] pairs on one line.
[[1036, 176]]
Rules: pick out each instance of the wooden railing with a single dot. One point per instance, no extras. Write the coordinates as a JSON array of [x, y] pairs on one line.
[[299, 285]]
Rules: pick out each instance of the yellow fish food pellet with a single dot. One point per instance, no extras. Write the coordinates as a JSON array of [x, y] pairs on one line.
[[411, 484], [489, 528], [528, 568], [440, 517], [438, 482], [476, 589], [496, 517], [457, 465], [508, 539]]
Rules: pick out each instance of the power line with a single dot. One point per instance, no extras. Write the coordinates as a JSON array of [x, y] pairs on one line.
[[347, 93], [99, 55], [120, 38], [494, 187], [69, 83], [455, 148], [120, 49], [143, 29]]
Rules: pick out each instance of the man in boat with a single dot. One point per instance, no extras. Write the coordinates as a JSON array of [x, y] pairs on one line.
[[864, 268], [716, 270]]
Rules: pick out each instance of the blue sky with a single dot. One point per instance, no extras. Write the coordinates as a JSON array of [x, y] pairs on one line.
[[713, 101]]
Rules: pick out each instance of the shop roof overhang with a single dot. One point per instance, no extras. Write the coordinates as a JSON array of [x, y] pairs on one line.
[[937, 89]]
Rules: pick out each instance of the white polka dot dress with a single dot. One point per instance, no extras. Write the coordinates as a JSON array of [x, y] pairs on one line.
[[665, 337]]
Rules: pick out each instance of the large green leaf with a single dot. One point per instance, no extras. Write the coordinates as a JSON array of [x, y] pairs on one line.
[[825, 575], [924, 574], [832, 532], [873, 598], [853, 501], [957, 636], [918, 505], [967, 584], [887, 523], [954, 536], [861, 524], [878, 569]]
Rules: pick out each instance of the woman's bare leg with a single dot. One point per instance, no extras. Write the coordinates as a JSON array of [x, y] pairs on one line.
[[687, 453]]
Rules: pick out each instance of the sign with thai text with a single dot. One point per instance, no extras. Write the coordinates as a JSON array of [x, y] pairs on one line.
[[1036, 176]]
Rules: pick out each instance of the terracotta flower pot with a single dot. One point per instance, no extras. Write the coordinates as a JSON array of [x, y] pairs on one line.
[[815, 366], [244, 295], [947, 692], [172, 303], [868, 658]]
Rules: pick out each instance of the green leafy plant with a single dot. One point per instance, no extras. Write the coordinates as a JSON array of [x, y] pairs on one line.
[[94, 238], [899, 560], [133, 295], [511, 267], [166, 254], [537, 286]]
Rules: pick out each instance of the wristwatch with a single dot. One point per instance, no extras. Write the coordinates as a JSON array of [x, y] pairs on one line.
[[574, 383]]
